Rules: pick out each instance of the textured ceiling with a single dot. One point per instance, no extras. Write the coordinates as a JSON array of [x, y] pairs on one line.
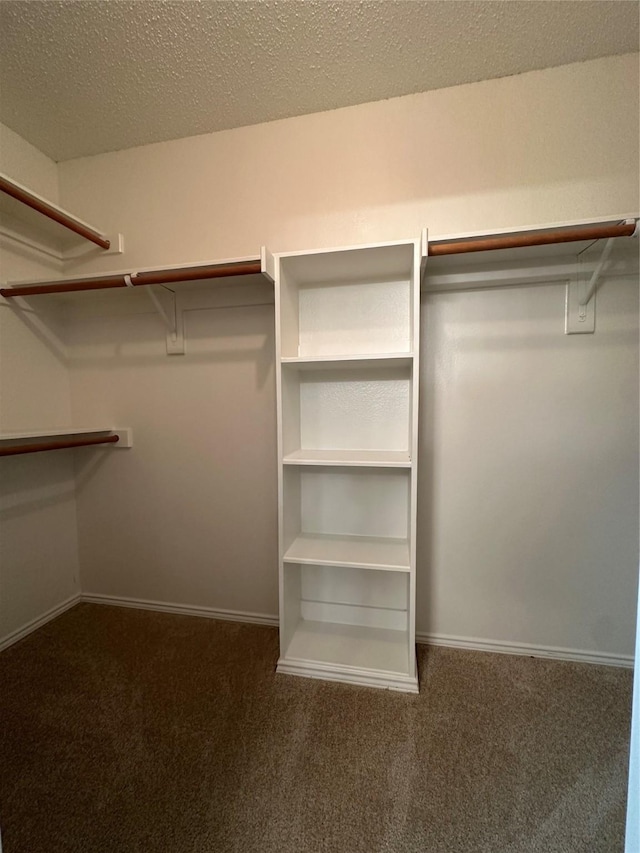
[[80, 78]]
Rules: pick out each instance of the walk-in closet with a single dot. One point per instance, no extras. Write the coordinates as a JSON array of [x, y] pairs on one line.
[[319, 433]]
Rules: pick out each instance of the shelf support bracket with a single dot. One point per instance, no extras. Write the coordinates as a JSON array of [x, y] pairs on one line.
[[165, 302], [581, 294], [37, 322], [580, 314], [595, 276]]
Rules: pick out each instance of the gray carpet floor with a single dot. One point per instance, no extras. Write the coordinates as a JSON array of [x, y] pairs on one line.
[[126, 730]]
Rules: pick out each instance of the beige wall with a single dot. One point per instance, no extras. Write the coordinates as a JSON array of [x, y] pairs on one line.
[[528, 493], [553, 145], [27, 165], [189, 515], [38, 534]]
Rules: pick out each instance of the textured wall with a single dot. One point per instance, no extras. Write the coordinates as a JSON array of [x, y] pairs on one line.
[[499, 559]]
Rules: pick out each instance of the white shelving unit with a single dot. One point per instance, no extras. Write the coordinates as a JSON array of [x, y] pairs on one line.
[[347, 333]]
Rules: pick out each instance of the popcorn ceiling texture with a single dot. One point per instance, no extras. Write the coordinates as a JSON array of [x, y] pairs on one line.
[[85, 77]]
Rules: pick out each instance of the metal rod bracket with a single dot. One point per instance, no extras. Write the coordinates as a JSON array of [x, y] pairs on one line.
[[592, 287], [165, 302]]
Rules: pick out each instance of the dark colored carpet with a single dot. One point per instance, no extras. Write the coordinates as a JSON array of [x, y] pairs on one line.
[[125, 730]]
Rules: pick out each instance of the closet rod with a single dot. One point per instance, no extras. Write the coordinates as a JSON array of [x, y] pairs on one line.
[[59, 216], [57, 445], [168, 276], [532, 238]]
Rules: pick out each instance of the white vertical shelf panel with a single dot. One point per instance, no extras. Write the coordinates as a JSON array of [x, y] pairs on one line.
[[125, 434], [420, 256], [347, 333]]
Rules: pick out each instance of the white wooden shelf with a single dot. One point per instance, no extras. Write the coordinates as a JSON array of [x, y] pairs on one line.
[[345, 362], [351, 646], [56, 432], [40, 436], [364, 552], [350, 458], [25, 212]]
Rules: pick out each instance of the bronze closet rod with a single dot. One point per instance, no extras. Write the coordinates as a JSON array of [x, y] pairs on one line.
[[168, 276], [532, 238], [25, 197], [57, 445]]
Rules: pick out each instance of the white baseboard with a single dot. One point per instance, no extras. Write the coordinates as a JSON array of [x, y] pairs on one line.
[[506, 648], [447, 640], [182, 609], [38, 622]]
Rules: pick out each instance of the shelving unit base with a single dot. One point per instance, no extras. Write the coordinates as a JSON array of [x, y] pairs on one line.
[[341, 653]]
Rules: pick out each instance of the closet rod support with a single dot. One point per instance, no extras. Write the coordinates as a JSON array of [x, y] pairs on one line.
[[65, 444], [169, 321], [595, 276], [165, 301]]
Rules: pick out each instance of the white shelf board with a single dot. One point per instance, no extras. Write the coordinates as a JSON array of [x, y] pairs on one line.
[[378, 649], [365, 552], [53, 433], [48, 231], [366, 360], [350, 458], [125, 433]]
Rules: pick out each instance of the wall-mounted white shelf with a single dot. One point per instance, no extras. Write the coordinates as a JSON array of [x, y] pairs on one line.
[[347, 329], [355, 458], [63, 438], [347, 362], [28, 217]]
